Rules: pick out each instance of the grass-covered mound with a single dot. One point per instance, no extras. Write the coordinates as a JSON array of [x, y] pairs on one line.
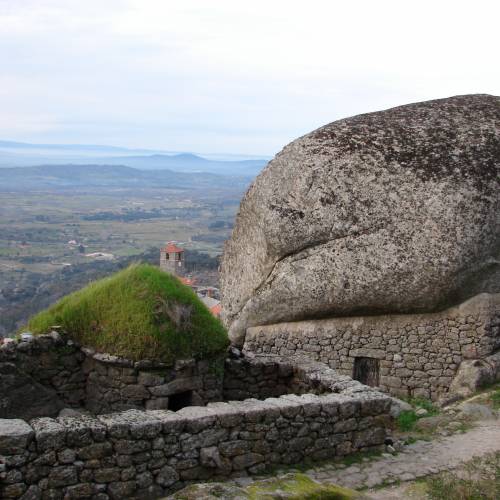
[[138, 313]]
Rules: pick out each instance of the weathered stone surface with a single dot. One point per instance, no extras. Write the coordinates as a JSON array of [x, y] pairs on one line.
[[473, 374], [398, 406], [395, 211], [150, 454], [32, 493], [428, 424], [422, 352], [49, 434], [15, 436], [23, 397], [176, 386], [167, 476], [210, 457], [476, 411], [63, 476]]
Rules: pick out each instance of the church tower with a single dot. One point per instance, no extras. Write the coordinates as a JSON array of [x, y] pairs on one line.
[[172, 259]]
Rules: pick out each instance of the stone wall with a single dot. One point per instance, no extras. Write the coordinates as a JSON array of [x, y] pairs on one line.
[[272, 376], [264, 377], [418, 354], [41, 376], [115, 384], [150, 453]]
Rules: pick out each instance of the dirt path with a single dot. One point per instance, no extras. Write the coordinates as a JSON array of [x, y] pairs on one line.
[[417, 460]]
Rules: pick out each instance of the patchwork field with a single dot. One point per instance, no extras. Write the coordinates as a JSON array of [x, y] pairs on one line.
[[62, 238]]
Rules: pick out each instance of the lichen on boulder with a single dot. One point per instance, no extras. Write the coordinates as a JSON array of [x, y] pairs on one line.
[[388, 212]]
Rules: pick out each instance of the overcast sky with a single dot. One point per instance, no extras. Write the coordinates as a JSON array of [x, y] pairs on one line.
[[227, 75]]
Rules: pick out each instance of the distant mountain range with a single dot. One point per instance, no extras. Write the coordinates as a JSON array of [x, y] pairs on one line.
[[19, 154], [77, 177]]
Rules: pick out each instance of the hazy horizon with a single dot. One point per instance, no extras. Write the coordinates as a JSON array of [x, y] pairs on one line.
[[225, 77]]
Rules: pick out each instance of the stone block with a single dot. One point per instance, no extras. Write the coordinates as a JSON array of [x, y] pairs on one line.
[[49, 434], [95, 451], [167, 476], [150, 379], [135, 392], [15, 436], [157, 404], [367, 352], [63, 476], [107, 475], [234, 448], [176, 386], [122, 489], [13, 490], [82, 490], [210, 457], [241, 462], [197, 418]]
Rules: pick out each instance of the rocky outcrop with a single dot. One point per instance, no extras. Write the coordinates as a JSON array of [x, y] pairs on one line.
[[473, 374], [388, 212]]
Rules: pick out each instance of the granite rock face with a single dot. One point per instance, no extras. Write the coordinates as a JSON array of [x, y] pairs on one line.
[[388, 212]]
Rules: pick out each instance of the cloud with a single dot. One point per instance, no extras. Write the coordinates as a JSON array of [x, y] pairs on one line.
[[230, 76]]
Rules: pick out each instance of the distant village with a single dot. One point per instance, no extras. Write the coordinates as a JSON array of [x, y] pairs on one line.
[[172, 260]]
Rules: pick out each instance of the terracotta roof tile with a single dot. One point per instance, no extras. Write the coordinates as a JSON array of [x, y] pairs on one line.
[[172, 248]]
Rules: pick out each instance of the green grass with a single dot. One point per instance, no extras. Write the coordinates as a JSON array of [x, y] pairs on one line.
[[495, 399], [426, 404], [291, 486], [406, 420], [138, 313], [297, 487]]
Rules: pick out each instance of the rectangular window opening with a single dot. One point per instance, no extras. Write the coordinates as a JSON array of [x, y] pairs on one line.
[[367, 371]]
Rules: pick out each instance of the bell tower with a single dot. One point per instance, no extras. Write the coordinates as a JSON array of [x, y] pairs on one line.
[[172, 259]]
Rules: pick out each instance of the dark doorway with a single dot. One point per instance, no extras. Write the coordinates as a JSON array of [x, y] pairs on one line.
[[366, 371], [180, 400]]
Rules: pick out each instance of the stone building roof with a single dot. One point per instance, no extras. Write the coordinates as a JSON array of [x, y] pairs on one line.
[[172, 248]]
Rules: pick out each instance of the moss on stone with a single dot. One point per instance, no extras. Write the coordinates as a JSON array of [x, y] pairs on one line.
[[297, 487], [290, 486]]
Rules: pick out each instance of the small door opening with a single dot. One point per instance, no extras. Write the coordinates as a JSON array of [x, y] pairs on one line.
[[366, 371], [180, 400]]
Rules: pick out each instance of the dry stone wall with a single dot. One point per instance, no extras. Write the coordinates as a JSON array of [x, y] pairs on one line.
[[264, 377], [41, 376], [418, 354], [118, 384], [150, 453]]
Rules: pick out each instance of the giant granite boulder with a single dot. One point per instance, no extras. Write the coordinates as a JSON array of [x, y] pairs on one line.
[[388, 212]]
